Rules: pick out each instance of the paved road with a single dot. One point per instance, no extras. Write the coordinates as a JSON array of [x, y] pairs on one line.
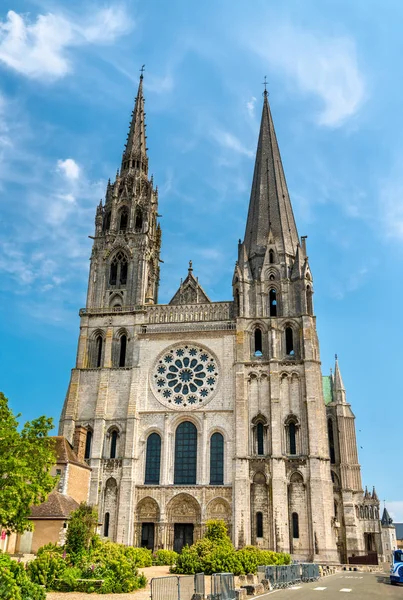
[[360, 586]]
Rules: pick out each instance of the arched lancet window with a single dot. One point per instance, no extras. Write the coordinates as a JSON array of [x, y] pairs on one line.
[[106, 524], [292, 438], [335, 509], [289, 341], [271, 256], [185, 454], [122, 350], [331, 441], [260, 438], [216, 459], [98, 351], [118, 269], [309, 305], [114, 442], [237, 304], [124, 219], [107, 221], [138, 222], [295, 525], [258, 349], [88, 444], [273, 302], [259, 525], [153, 459]]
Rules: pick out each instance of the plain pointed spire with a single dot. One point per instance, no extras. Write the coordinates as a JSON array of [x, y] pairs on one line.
[[135, 153], [338, 380], [270, 206]]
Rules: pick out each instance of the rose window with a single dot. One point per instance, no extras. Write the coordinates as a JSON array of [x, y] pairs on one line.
[[185, 376]]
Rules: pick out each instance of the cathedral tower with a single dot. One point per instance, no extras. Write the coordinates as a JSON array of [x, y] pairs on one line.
[[125, 256], [279, 381]]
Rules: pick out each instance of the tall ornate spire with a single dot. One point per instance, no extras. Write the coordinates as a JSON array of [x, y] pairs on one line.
[[135, 153], [270, 207]]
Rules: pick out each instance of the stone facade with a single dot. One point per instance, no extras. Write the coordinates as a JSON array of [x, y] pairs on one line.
[[240, 381]]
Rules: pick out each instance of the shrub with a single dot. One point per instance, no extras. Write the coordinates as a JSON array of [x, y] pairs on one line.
[[15, 583], [46, 568], [165, 557], [215, 553], [81, 531]]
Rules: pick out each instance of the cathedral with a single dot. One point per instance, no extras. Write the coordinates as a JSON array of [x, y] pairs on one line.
[[198, 410]]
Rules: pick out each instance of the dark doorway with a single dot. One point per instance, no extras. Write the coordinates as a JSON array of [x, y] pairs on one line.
[[147, 536], [183, 535]]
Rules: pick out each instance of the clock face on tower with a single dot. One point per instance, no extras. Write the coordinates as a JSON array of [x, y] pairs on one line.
[[185, 376]]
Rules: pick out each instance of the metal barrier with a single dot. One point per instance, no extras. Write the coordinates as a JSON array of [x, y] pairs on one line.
[[285, 575], [309, 572], [222, 586], [174, 587]]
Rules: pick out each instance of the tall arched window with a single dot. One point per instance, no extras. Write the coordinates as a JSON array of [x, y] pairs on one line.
[[88, 444], [258, 349], [114, 441], [118, 270], [236, 300], [295, 525], [271, 256], [124, 219], [106, 524], [107, 221], [138, 222], [273, 302], [259, 525], [98, 351], [289, 341], [292, 441], [185, 454], [122, 350], [331, 441], [153, 460], [216, 459], [309, 304], [260, 438]]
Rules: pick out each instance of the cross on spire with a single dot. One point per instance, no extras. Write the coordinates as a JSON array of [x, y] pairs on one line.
[[142, 71], [265, 93]]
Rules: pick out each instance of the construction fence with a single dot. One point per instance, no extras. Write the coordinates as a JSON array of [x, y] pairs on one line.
[[174, 587], [286, 575]]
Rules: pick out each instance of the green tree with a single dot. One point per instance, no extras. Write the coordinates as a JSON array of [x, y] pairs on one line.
[[26, 457], [82, 529]]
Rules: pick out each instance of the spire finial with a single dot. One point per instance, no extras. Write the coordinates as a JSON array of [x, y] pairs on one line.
[[335, 357], [190, 266], [265, 93], [142, 71]]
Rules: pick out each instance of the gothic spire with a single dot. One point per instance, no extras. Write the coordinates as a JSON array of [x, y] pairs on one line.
[[386, 520], [270, 206], [135, 152], [338, 386]]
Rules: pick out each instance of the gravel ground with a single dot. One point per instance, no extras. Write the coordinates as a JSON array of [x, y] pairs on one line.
[[143, 594]]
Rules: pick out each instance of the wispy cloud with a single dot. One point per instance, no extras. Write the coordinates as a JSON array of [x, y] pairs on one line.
[[390, 205], [228, 140], [250, 106], [41, 49], [319, 64]]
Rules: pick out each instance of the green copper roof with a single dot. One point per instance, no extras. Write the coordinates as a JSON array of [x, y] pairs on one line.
[[327, 388]]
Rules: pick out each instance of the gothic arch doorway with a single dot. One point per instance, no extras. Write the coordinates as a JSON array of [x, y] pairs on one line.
[[184, 518], [148, 515]]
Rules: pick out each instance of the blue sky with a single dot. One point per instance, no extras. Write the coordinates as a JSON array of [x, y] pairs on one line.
[[68, 76]]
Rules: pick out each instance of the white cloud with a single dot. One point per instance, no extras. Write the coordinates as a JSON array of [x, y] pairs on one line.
[[250, 106], [395, 509], [319, 64], [230, 141], [40, 49], [69, 168]]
